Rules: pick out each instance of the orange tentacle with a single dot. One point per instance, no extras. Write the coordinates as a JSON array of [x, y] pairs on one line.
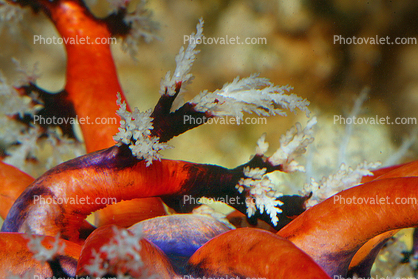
[[377, 173], [61, 199], [92, 81], [331, 232], [253, 253], [128, 213], [17, 259], [92, 84], [154, 260], [13, 183], [409, 169], [364, 258], [368, 251]]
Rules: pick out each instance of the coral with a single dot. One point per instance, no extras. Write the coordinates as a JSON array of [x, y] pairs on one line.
[[124, 254], [43, 254], [345, 178], [135, 131]]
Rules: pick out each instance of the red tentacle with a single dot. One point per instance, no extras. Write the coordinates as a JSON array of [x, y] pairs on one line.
[[350, 225], [253, 253]]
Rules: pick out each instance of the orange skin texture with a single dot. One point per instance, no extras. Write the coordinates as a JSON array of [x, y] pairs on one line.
[[379, 172], [364, 253], [86, 178], [13, 183], [408, 169], [94, 96], [92, 81], [16, 257], [404, 170], [128, 213], [124, 184], [248, 252], [155, 261], [332, 232]]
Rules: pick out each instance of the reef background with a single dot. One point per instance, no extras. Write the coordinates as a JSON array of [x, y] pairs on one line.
[[299, 51]]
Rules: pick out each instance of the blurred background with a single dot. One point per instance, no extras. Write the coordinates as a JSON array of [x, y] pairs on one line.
[[297, 48]]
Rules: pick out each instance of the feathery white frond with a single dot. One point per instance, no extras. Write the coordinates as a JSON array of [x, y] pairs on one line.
[[28, 147], [12, 102], [11, 18], [135, 131], [122, 250], [184, 61], [41, 253], [252, 95], [209, 211], [141, 26], [346, 177], [262, 145], [260, 193], [292, 145]]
